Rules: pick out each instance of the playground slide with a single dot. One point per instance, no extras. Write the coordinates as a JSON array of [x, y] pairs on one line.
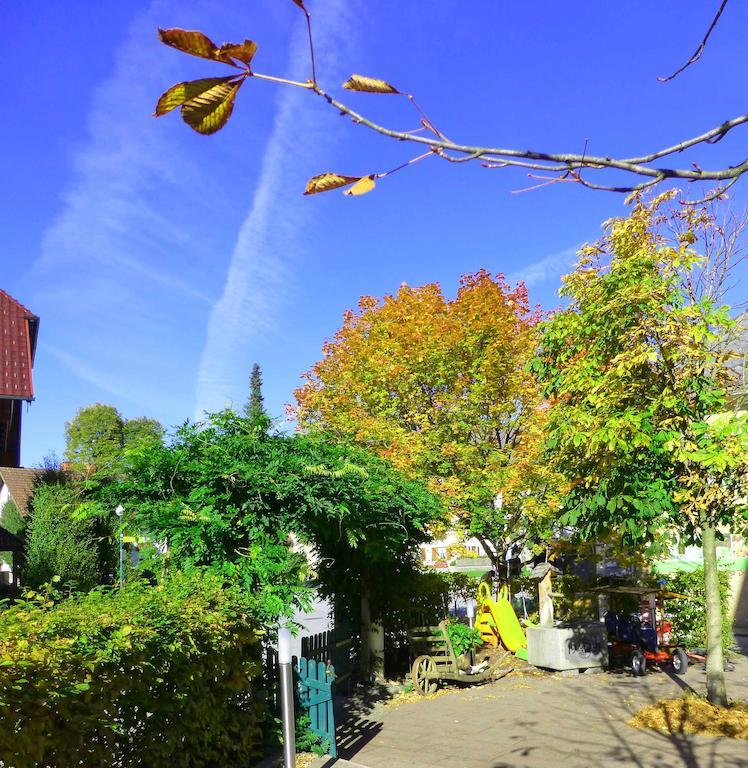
[[497, 620]]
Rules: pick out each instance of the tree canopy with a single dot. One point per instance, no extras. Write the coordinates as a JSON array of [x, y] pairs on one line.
[[226, 494], [97, 436], [637, 368], [440, 387], [75, 549]]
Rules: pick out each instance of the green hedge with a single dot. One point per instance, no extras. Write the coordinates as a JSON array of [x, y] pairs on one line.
[[689, 616], [149, 676]]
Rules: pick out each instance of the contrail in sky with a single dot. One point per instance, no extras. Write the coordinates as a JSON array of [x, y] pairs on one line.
[[261, 264]]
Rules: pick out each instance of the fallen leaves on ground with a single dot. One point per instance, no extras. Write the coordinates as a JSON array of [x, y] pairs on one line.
[[303, 760], [695, 715], [412, 697]]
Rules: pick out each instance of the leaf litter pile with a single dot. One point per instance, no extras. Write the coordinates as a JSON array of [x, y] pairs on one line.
[[694, 715]]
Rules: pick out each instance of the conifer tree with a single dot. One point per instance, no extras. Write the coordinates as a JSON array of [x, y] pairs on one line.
[[255, 405]]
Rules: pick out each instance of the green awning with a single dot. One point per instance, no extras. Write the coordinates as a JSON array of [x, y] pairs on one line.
[[679, 565]]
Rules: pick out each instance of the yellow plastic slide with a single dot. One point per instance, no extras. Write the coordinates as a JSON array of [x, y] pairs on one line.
[[497, 620]]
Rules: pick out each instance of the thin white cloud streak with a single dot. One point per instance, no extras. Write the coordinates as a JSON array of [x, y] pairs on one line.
[[261, 265], [86, 372], [551, 267], [118, 280]]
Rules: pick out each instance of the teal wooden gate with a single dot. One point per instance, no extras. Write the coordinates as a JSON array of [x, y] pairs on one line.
[[315, 679]]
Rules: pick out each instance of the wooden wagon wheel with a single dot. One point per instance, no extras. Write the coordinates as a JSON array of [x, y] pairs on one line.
[[423, 675]]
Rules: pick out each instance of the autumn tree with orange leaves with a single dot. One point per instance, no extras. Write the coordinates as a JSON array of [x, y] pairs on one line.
[[440, 387]]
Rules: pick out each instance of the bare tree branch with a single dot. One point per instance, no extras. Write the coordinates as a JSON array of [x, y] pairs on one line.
[[702, 45], [499, 157], [639, 172]]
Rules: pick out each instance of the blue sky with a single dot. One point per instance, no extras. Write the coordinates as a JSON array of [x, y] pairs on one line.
[[163, 263]]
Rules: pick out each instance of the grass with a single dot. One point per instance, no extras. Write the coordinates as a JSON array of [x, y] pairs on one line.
[[694, 715]]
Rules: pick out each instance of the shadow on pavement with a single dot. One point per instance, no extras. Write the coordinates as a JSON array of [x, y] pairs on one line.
[[607, 739], [355, 729]]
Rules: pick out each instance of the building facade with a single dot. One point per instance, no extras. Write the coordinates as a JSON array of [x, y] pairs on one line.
[[18, 334]]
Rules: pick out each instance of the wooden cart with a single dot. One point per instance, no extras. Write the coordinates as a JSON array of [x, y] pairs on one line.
[[435, 660]]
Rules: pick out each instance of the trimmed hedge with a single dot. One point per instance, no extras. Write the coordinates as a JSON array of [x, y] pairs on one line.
[[689, 616], [147, 676]]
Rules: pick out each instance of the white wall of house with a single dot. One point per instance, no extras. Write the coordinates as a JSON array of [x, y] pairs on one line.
[[436, 551], [5, 568], [4, 496]]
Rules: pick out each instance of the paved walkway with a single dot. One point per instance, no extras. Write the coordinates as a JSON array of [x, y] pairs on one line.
[[539, 722]]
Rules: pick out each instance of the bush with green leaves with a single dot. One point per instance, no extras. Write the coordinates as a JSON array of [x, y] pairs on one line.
[[11, 519], [148, 675], [463, 637], [307, 740], [59, 543], [689, 616]]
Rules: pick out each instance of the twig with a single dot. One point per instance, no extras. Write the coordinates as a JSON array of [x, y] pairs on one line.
[[563, 161], [702, 45], [311, 44], [282, 80], [712, 195], [430, 153]]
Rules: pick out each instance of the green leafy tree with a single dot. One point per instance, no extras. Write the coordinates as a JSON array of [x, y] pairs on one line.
[[141, 431], [226, 494], [639, 376], [256, 403], [94, 438], [59, 544], [11, 519], [98, 436]]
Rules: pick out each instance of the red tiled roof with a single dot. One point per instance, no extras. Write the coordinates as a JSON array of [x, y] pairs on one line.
[[18, 329]]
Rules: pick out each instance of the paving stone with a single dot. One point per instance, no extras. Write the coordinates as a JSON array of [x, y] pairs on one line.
[[542, 722]]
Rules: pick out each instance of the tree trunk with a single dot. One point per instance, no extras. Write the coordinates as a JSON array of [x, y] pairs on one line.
[[716, 691], [365, 636]]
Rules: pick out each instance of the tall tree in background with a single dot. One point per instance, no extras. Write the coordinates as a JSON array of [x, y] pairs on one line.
[[94, 438], [440, 387], [256, 403], [141, 431], [638, 372], [98, 436]]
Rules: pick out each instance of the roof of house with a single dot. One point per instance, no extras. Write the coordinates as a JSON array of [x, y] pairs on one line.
[[18, 332], [20, 482]]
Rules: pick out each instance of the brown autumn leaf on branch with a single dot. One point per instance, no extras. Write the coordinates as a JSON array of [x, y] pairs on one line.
[[325, 182], [643, 171], [181, 93], [368, 85], [243, 51], [195, 43], [209, 111], [362, 186]]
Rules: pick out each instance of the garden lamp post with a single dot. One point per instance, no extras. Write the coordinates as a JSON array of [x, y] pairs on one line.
[[286, 693], [471, 621], [120, 509]]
